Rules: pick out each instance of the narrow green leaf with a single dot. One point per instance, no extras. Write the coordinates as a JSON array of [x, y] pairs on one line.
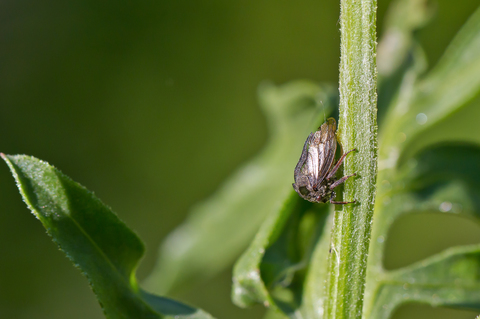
[[172, 309], [314, 287], [452, 85], [220, 228], [278, 268], [398, 48], [403, 19], [462, 126], [94, 239], [273, 268], [248, 286]]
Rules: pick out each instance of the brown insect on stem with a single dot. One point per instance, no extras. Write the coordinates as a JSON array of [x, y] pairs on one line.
[[315, 173]]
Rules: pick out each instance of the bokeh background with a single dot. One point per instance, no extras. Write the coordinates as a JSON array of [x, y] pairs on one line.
[[146, 101]]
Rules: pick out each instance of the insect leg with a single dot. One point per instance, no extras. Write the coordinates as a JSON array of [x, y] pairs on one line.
[[342, 203], [341, 180], [339, 203], [340, 161]]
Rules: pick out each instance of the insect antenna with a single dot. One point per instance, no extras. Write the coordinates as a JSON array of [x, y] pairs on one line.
[[323, 106]]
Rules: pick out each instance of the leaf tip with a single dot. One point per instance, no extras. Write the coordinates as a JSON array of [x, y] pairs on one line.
[[7, 158]]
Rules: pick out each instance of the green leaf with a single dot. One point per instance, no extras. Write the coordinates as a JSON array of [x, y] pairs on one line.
[[248, 284], [444, 180], [314, 292], [398, 49], [172, 309], [285, 261], [453, 84], [450, 95], [461, 126], [447, 279], [281, 248], [220, 228], [430, 177], [441, 179], [94, 239], [403, 19]]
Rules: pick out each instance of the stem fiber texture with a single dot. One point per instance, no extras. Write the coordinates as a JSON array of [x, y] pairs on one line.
[[357, 129]]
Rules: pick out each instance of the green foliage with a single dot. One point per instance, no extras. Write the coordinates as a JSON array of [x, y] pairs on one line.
[[428, 163], [221, 227], [417, 175], [94, 239], [420, 174]]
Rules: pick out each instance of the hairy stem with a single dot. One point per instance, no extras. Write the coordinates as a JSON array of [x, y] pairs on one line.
[[357, 129]]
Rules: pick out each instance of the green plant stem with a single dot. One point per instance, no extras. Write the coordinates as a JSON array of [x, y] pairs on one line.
[[357, 129]]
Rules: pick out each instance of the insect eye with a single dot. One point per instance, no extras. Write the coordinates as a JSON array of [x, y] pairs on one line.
[[304, 190]]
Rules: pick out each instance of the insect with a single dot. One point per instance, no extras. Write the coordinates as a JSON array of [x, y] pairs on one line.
[[315, 173]]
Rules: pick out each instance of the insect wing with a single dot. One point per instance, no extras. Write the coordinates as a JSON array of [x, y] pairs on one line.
[[326, 144], [303, 157]]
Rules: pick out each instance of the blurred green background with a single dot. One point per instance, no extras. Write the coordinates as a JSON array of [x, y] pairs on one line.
[[119, 95]]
